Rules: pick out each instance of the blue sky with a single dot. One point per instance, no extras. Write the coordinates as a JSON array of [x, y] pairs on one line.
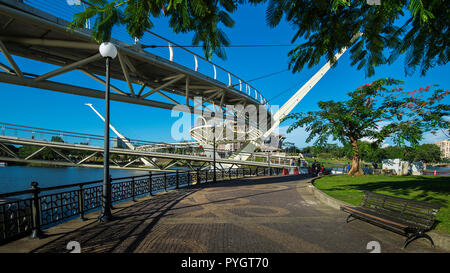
[[53, 110]]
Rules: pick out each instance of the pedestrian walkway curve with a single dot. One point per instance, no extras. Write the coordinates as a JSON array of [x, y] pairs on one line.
[[252, 215]]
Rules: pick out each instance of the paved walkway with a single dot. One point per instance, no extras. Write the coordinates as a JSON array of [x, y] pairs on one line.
[[253, 215]]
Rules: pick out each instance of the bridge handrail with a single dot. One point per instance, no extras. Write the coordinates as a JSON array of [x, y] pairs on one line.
[[215, 65]]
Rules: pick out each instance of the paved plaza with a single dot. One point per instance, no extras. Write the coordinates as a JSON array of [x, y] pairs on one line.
[[251, 215]]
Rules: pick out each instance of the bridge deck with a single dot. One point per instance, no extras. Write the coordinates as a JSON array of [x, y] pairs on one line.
[[119, 151], [35, 34]]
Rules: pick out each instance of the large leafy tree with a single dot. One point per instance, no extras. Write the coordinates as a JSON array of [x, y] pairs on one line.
[[417, 28], [375, 111], [203, 17]]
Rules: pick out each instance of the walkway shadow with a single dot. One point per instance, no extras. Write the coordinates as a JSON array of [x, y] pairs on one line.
[[125, 232], [133, 224]]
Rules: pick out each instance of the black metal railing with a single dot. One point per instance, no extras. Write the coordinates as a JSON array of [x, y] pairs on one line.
[[30, 211]]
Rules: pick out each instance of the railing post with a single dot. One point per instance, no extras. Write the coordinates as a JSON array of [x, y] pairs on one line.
[[36, 211], [198, 176], [150, 184], [264, 171], [178, 181], [110, 194], [206, 175], [133, 190], [165, 181], [81, 202]]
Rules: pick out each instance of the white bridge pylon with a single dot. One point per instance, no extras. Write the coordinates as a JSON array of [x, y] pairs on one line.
[[291, 103], [252, 144], [124, 139]]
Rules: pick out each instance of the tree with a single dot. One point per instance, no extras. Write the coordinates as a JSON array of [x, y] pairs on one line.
[[392, 152], [202, 17], [328, 25], [56, 139], [325, 25], [373, 111], [428, 153], [370, 152]]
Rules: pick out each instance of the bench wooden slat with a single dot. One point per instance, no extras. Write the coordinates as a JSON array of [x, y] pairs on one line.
[[355, 210]]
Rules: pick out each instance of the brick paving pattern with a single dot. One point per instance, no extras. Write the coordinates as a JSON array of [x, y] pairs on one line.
[[253, 215]]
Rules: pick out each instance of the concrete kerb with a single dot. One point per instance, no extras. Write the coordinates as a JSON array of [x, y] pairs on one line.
[[440, 239]]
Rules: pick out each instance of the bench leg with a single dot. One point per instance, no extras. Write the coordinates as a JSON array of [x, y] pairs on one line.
[[415, 236], [348, 218]]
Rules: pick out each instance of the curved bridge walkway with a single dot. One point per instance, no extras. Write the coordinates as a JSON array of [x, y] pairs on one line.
[[254, 215]]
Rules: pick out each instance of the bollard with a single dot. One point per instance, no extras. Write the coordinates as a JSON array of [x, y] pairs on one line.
[[36, 232]]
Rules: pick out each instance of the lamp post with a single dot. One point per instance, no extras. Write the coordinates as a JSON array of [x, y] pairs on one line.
[[214, 153], [109, 52]]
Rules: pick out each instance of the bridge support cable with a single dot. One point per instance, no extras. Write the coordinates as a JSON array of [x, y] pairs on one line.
[[298, 96]]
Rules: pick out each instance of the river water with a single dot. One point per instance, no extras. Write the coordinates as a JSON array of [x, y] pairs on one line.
[[17, 178]]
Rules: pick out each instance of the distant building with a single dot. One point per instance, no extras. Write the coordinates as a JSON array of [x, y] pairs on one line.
[[119, 143], [444, 145]]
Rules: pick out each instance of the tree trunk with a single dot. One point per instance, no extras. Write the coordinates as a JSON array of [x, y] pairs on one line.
[[355, 170]]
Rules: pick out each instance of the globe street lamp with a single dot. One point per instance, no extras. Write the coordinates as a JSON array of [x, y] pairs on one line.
[[109, 52]]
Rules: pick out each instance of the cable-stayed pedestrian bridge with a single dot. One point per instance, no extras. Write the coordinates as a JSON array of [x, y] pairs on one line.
[[144, 74], [27, 144]]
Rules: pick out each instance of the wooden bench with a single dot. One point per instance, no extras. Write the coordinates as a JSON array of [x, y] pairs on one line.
[[404, 216]]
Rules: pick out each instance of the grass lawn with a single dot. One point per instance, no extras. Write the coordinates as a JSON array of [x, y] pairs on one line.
[[426, 188]]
